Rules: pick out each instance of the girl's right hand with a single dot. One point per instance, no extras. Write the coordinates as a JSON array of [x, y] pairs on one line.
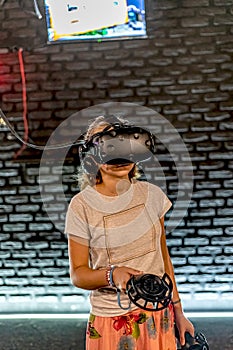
[[122, 274]]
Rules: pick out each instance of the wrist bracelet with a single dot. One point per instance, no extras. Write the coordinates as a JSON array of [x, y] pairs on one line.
[[176, 302], [112, 284], [109, 275]]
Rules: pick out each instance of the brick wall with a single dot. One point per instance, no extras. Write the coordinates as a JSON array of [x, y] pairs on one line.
[[184, 71]]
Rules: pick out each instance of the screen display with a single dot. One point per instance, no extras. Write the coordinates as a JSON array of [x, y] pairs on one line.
[[69, 20]]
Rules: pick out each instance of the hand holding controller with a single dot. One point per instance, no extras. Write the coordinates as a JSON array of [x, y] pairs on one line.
[[189, 341], [199, 342]]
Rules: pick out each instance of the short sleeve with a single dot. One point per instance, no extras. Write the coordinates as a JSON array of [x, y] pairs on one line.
[[76, 223], [161, 202], [166, 205]]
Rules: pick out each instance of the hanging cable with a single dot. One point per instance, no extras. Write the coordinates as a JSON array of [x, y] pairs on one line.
[[36, 11], [4, 121], [24, 98]]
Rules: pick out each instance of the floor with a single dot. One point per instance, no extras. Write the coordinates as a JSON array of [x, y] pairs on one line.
[[69, 334]]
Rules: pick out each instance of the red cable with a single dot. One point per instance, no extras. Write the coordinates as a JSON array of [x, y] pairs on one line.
[[24, 98]]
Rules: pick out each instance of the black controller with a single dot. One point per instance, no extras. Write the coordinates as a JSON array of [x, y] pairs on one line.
[[199, 341]]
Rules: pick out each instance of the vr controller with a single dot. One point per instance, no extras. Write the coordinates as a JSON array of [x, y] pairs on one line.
[[148, 292], [198, 342], [152, 293]]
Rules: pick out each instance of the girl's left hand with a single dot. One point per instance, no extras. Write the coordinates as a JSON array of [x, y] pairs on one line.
[[183, 325]]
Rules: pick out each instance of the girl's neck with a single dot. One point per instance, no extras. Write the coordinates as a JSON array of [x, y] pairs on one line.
[[113, 187]]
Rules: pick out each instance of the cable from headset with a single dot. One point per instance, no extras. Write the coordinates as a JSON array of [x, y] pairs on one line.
[[4, 120]]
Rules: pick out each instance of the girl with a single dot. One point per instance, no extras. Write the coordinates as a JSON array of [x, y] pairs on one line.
[[115, 229]]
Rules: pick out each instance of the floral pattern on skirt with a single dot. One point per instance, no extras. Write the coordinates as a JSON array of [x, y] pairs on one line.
[[137, 330]]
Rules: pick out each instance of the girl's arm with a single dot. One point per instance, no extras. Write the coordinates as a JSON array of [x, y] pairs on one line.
[[82, 276], [182, 323], [169, 268]]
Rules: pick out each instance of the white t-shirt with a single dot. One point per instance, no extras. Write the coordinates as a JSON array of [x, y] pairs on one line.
[[123, 230]]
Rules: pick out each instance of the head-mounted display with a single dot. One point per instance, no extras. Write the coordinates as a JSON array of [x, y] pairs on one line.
[[119, 143]]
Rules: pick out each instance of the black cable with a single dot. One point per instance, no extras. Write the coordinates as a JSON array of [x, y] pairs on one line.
[[36, 11], [32, 145]]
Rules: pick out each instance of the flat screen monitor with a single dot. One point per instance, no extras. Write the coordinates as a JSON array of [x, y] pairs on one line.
[[72, 20]]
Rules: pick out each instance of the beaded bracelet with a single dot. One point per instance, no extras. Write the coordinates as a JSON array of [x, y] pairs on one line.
[[176, 302], [109, 275]]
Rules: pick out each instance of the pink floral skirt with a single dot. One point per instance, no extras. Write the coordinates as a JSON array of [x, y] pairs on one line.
[[137, 330]]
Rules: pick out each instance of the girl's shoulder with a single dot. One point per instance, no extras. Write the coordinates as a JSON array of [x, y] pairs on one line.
[[79, 197], [148, 186]]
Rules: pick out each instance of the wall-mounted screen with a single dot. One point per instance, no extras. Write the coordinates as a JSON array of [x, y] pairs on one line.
[[70, 20]]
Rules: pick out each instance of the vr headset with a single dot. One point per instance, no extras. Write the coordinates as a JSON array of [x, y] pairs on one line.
[[117, 143]]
